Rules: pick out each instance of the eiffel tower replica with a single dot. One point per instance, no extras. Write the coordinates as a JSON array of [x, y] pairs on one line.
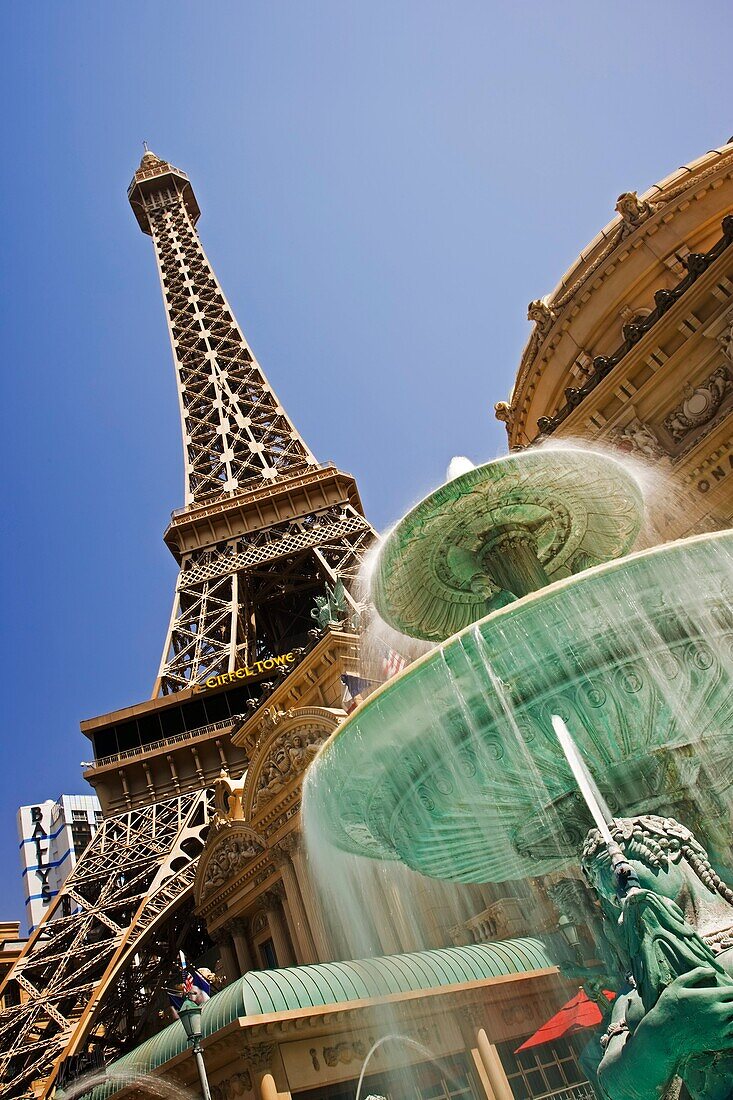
[[264, 531]]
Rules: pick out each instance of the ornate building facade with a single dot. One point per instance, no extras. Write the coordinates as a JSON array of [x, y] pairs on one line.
[[634, 346]]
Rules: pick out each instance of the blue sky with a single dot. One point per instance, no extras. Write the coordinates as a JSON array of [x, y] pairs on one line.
[[384, 186]]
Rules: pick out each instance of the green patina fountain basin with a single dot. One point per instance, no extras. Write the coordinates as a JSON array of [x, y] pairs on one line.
[[453, 767], [500, 531]]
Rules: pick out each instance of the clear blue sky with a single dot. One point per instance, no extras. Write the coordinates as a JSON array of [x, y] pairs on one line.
[[384, 187]]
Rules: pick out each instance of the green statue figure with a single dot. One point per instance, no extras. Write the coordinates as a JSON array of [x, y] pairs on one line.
[[671, 1034], [331, 608]]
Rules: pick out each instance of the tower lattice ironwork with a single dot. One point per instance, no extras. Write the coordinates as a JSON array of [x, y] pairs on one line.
[[263, 530]]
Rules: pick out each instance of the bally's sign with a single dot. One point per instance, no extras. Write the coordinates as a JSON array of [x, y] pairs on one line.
[[248, 672]]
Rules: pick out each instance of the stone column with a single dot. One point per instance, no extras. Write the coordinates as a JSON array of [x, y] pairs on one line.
[[478, 1066], [238, 929], [491, 1062], [260, 1057], [268, 1089], [227, 955], [283, 950], [301, 926], [316, 924]]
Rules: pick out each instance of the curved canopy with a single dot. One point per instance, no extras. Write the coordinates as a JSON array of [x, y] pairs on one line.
[[261, 992]]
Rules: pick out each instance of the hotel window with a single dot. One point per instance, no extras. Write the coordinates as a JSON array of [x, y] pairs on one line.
[[268, 956], [550, 1071], [78, 815]]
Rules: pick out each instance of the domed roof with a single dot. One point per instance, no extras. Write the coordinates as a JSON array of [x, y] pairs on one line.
[[261, 992], [612, 278], [149, 159]]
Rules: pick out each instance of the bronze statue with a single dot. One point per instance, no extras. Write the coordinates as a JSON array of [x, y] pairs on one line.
[[674, 1026]]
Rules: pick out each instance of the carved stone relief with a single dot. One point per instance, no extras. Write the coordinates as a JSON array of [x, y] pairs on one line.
[[233, 1088], [700, 403], [230, 854], [290, 756], [637, 438], [260, 1055], [344, 1053]]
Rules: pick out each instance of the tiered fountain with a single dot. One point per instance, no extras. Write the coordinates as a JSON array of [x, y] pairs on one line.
[[454, 768]]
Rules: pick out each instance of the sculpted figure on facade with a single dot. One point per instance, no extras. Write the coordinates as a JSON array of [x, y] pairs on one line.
[[542, 314], [274, 776], [638, 438], [227, 800], [331, 608], [230, 855], [290, 756], [674, 1023], [632, 209]]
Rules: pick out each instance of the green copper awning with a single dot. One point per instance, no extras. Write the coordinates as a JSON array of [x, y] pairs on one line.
[[261, 992]]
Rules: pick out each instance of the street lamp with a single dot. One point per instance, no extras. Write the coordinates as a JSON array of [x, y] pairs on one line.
[[190, 1015], [570, 932]]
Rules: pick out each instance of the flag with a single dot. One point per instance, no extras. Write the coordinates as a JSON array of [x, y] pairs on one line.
[[176, 1000], [353, 688], [201, 991], [392, 663], [187, 983]]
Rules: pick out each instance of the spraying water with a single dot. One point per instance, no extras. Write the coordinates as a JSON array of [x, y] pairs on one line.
[[457, 466], [375, 1047]]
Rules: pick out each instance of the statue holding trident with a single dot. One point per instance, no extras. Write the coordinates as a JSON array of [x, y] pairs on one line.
[[672, 918]]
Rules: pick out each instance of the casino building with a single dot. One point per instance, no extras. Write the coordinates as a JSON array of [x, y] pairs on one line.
[[52, 836], [634, 346]]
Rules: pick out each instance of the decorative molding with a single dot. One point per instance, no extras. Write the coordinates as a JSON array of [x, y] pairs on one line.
[[634, 214], [697, 264], [260, 1056]]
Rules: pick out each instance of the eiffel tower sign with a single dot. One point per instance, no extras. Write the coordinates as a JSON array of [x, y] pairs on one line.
[[264, 531]]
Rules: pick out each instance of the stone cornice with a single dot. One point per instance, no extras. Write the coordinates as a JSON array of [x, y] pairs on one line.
[[697, 264], [615, 243]]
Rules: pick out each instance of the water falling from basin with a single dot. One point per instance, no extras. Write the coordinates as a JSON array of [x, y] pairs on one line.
[[454, 769]]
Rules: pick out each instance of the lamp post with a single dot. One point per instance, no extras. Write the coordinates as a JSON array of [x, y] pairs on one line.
[[190, 1015]]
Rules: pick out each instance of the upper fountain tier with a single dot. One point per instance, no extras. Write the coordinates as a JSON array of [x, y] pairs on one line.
[[501, 531]]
